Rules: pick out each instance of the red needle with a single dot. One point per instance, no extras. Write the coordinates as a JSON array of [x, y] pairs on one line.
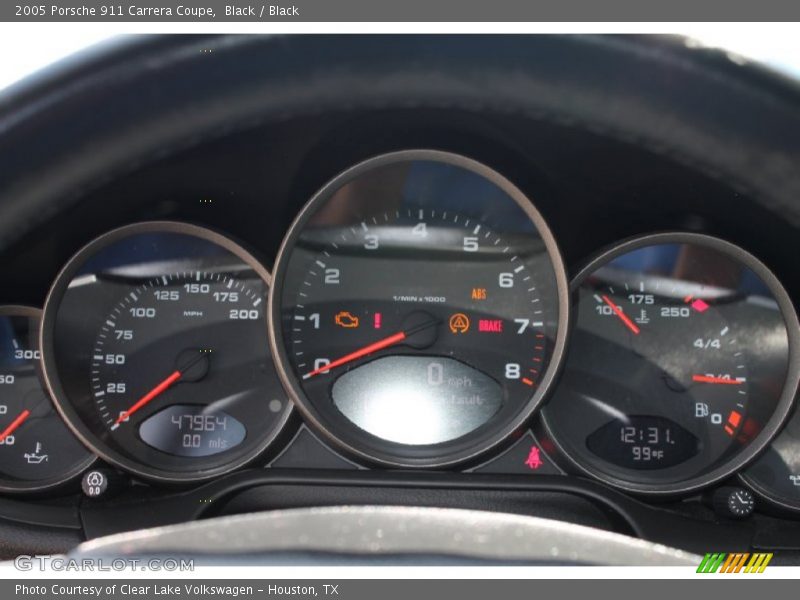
[[374, 347], [156, 391], [15, 424], [708, 379], [623, 317]]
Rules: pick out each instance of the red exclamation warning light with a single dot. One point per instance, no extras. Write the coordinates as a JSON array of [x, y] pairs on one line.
[[534, 460], [376, 321], [733, 422]]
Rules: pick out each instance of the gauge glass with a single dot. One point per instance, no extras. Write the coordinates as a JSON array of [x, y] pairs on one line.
[[37, 450], [419, 309], [682, 364], [155, 346], [775, 475]]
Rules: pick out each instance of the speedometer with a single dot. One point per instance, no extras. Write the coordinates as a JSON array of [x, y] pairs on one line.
[[419, 310], [155, 349]]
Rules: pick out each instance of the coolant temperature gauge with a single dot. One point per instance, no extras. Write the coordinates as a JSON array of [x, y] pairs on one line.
[[37, 451], [682, 364]]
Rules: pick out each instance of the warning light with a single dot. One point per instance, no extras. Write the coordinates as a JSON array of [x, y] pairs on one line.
[[459, 323], [490, 325], [534, 460], [376, 321], [479, 293], [346, 320], [733, 422]]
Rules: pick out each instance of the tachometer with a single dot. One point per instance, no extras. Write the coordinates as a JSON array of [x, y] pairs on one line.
[[419, 309], [155, 348], [682, 364]]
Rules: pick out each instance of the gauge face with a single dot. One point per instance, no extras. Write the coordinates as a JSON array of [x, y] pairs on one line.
[[155, 347], [37, 450], [419, 309], [682, 364], [775, 475]]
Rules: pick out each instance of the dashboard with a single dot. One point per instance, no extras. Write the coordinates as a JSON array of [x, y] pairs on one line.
[[479, 281]]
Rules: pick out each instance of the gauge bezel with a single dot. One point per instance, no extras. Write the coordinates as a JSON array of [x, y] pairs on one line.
[[785, 401], [282, 363], [761, 492], [44, 485], [57, 392]]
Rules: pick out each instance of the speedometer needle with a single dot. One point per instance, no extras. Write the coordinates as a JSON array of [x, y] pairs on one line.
[[371, 348], [15, 424], [157, 391], [623, 317]]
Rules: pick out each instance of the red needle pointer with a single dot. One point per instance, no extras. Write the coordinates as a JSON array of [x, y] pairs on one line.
[[623, 317], [392, 340], [708, 379], [374, 347], [156, 391], [15, 424]]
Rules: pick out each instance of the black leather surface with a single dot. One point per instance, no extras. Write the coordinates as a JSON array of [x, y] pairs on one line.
[[72, 132]]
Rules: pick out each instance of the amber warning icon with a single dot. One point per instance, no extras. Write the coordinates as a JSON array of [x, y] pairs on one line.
[[459, 323]]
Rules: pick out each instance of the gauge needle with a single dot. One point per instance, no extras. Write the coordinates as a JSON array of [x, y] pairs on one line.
[[156, 391], [708, 379], [623, 317], [371, 348], [15, 424]]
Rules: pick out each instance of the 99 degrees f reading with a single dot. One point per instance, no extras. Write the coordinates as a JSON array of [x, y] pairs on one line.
[[418, 325], [171, 376], [679, 368]]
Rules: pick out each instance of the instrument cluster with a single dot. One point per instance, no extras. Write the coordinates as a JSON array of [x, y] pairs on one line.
[[418, 315]]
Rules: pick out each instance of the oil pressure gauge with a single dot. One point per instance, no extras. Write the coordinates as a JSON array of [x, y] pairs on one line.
[[682, 364], [37, 451]]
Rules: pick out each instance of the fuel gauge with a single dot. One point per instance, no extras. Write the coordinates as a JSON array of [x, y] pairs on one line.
[[37, 451], [682, 366]]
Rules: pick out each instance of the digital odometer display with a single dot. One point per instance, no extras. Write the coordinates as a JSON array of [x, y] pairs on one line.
[[156, 349], [680, 364], [419, 309]]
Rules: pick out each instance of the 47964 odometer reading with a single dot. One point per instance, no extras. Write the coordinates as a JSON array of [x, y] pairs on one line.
[[157, 355], [123, 387]]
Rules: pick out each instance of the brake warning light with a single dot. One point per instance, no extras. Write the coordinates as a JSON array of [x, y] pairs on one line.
[[490, 325]]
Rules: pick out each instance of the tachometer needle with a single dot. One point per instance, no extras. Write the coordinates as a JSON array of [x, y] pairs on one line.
[[15, 424], [371, 348], [722, 380], [361, 352], [622, 316]]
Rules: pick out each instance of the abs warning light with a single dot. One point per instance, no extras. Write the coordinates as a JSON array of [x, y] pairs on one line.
[[490, 325]]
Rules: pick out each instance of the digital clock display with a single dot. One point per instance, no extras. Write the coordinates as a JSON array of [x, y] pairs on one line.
[[643, 442]]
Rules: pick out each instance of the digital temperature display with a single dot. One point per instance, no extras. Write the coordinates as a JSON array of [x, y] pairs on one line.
[[643, 442]]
